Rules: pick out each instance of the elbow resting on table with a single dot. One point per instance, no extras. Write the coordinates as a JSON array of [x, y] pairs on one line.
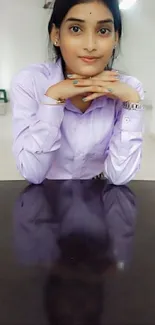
[[35, 177]]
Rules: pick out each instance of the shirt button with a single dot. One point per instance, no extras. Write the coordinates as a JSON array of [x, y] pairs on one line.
[[127, 120]]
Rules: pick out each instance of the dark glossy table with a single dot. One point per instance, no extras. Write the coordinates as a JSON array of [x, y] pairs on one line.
[[77, 253]]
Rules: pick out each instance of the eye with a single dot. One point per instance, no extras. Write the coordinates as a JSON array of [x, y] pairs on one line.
[[75, 29], [104, 30]]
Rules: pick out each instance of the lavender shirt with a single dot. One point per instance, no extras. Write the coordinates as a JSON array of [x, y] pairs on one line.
[[61, 142]]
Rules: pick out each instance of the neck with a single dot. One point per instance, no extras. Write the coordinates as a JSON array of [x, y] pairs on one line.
[[77, 102]]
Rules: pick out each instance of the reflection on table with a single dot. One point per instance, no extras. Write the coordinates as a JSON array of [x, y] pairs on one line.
[[80, 230]]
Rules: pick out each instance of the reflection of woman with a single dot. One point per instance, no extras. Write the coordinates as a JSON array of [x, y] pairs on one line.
[[82, 229], [45, 213], [73, 119]]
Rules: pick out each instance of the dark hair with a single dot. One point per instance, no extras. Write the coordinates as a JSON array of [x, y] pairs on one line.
[[61, 9]]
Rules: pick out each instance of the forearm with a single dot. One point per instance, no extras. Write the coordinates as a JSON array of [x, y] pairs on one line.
[[35, 144], [125, 149], [34, 164]]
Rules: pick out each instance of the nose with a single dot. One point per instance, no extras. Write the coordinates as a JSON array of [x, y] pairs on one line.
[[90, 43]]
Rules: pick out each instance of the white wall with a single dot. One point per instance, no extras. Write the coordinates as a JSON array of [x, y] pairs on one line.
[[138, 44], [138, 48], [24, 40], [23, 36]]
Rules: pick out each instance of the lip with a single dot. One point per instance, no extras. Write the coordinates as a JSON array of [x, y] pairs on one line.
[[89, 59]]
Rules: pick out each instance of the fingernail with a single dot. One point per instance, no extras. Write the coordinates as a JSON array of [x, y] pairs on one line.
[[84, 99], [69, 75], [75, 82]]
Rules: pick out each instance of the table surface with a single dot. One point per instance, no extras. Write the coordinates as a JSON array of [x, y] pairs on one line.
[[77, 253]]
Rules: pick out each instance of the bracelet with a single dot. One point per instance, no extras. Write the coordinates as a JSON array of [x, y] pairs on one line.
[[133, 106], [54, 102]]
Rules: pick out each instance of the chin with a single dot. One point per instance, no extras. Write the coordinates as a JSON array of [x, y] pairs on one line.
[[88, 73]]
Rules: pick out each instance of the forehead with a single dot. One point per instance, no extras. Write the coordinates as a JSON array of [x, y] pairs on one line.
[[90, 11]]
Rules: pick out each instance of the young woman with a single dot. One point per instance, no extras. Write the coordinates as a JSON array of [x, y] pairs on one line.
[[77, 118]]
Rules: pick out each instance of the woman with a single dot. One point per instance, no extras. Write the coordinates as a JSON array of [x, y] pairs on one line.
[[78, 118]]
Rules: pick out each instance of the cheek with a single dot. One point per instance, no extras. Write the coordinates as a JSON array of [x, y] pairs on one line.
[[107, 46], [108, 53], [68, 49], [67, 43]]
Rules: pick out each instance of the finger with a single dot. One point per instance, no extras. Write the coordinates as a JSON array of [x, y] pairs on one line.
[[75, 76], [106, 73], [109, 73], [96, 95], [93, 82], [112, 72], [92, 97], [93, 89], [107, 78]]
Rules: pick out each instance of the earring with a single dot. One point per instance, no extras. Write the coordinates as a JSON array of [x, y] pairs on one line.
[[56, 43]]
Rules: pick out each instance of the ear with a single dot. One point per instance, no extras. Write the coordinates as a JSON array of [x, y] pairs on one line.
[[116, 39], [55, 36]]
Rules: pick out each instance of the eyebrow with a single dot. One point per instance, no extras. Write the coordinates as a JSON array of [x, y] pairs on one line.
[[105, 21]]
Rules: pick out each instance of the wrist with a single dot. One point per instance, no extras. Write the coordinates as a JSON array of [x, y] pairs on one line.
[[49, 101], [51, 94], [53, 97], [134, 98]]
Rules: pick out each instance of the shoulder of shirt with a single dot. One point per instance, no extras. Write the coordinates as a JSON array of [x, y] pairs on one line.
[[131, 80], [34, 71]]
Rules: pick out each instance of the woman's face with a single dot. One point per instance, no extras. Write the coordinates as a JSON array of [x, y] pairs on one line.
[[87, 31]]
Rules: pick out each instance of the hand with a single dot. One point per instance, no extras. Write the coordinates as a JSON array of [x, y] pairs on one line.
[[68, 88], [116, 90]]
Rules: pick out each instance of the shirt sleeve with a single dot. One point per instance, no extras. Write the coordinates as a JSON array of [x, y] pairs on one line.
[[124, 153], [36, 129]]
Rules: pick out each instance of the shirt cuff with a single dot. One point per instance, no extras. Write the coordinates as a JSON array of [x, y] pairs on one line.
[[132, 120], [50, 113]]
